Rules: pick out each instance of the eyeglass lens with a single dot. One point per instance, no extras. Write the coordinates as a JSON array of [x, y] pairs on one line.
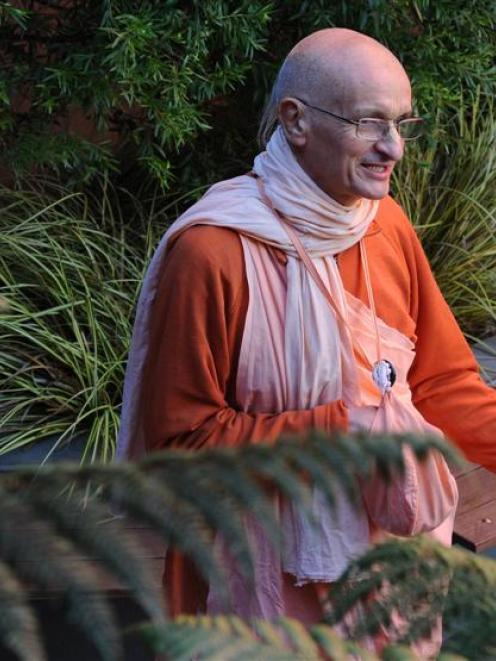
[[374, 129]]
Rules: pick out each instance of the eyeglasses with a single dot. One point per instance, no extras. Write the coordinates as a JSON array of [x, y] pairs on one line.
[[373, 129]]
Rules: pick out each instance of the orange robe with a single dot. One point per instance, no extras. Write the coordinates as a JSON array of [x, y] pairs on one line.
[[189, 397]]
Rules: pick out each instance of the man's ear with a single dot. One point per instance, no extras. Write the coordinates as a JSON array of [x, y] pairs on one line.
[[293, 121]]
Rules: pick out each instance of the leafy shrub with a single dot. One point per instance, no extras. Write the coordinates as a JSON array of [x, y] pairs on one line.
[[448, 47], [154, 77], [145, 72]]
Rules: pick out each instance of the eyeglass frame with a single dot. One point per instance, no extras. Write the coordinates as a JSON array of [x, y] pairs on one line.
[[354, 122]]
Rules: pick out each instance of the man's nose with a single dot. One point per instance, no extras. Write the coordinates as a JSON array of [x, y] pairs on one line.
[[391, 144]]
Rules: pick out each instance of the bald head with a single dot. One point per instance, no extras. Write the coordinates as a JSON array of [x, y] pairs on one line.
[[322, 67], [330, 82]]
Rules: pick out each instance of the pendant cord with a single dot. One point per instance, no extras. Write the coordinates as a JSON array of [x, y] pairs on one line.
[[370, 297]]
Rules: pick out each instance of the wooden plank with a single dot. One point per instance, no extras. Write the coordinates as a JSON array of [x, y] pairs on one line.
[[107, 582], [462, 468], [477, 487], [149, 547], [475, 522], [476, 528]]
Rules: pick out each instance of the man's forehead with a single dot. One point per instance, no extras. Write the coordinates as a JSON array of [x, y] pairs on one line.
[[364, 67], [381, 110], [348, 73], [370, 87]]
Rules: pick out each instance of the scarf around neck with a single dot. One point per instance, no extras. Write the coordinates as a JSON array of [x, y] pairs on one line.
[[326, 227]]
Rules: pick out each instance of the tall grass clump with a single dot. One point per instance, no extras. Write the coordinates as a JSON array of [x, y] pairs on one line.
[[448, 189], [70, 270]]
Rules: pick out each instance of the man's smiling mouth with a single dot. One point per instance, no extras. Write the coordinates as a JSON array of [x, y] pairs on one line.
[[382, 170]]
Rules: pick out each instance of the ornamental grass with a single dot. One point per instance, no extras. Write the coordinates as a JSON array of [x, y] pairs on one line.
[[70, 271], [448, 189]]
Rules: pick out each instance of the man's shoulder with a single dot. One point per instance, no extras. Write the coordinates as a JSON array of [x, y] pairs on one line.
[[207, 240], [397, 230], [208, 233], [391, 216], [208, 249]]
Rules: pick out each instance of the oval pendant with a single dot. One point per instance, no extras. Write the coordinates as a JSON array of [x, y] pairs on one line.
[[383, 375]]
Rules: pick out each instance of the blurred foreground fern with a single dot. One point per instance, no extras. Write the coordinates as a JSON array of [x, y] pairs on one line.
[[62, 519]]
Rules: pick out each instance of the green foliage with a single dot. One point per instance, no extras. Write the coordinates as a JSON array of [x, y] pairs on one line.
[[69, 273], [230, 638], [62, 522], [144, 74], [420, 579], [449, 192], [18, 627], [48, 547], [153, 78], [448, 47]]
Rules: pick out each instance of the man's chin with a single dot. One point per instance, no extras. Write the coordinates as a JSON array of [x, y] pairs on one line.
[[375, 192]]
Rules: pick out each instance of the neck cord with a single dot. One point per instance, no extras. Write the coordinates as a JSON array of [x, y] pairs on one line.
[[370, 297]]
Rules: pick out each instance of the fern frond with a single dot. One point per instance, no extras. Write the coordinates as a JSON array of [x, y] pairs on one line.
[[329, 641], [268, 634], [236, 480], [45, 560], [83, 526], [18, 627], [419, 579], [299, 639], [230, 639], [269, 464], [180, 525], [186, 498], [400, 653], [197, 487]]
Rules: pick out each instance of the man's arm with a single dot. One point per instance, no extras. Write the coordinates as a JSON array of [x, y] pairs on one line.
[[195, 338], [445, 381]]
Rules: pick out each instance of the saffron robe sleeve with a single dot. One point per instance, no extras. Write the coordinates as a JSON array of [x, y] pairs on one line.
[[189, 397], [444, 378]]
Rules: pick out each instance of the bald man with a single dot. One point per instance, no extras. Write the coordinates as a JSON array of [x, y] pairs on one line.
[[297, 297]]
